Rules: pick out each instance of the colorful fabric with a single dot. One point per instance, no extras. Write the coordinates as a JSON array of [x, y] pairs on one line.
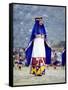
[[38, 66]]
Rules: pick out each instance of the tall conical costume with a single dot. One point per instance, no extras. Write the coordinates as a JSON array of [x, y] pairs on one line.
[[38, 53]]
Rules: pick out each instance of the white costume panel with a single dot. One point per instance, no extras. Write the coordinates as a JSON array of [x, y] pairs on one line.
[[38, 48]]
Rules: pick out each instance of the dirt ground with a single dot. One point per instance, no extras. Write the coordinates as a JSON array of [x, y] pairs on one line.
[[23, 76]]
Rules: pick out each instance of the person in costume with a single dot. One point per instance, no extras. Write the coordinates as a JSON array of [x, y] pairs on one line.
[[20, 62], [56, 59], [38, 53], [16, 60]]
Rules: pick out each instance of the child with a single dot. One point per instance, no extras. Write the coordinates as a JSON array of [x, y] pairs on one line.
[[20, 63]]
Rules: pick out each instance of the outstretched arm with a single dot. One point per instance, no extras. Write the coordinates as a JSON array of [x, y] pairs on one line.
[[29, 45]]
